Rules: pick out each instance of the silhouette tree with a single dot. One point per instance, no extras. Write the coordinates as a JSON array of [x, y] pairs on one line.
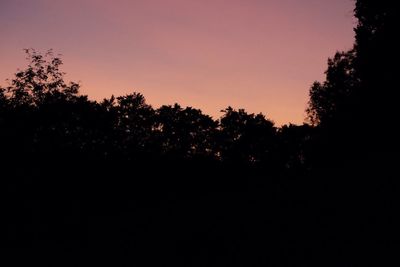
[[349, 151], [185, 132], [245, 138], [376, 65], [358, 86], [41, 82], [134, 124], [41, 105], [49, 125], [332, 100]]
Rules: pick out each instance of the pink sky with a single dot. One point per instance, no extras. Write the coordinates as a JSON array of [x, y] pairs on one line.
[[261, 55]]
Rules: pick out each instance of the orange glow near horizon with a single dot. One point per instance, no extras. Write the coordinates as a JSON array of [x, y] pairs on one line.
[[258, 55]]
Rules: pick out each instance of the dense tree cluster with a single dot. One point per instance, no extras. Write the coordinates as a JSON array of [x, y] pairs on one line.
[[54, 120], [119, 181]]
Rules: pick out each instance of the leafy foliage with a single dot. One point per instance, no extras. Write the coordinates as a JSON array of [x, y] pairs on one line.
[[332, 99]]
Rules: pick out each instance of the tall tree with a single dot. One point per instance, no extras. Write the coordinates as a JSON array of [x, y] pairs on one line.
[[362, 80], [377, 58], [41, 81], [332, 100], [360, 86]]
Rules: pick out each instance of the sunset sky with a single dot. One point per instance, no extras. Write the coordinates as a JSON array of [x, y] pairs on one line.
[[261, 55]]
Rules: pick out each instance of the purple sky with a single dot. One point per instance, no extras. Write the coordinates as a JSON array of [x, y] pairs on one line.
[[261, 55]]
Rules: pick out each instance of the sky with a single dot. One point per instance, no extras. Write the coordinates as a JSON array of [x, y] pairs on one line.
[[260, 55]]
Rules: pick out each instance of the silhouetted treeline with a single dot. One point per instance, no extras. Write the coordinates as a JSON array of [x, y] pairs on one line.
[[43, 117], [120, 182]]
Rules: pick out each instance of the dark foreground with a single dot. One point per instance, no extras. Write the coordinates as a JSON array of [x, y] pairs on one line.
[[190, 216]]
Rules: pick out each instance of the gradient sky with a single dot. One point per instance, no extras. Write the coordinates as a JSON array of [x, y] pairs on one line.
[[261, 55]]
